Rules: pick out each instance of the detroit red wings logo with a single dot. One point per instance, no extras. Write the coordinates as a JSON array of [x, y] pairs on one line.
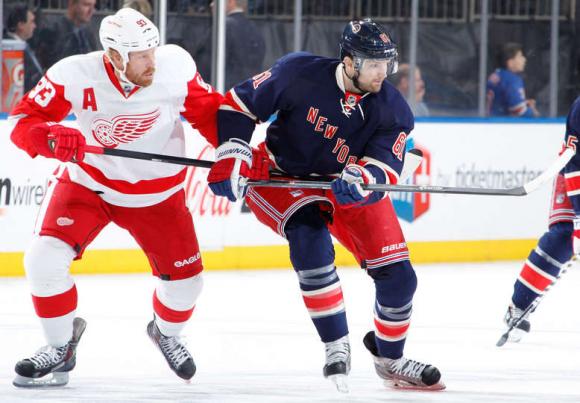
[[123, 128]]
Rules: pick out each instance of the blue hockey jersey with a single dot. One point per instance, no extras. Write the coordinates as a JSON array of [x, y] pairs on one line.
[[572, 169], [319, 126], [506, 95]]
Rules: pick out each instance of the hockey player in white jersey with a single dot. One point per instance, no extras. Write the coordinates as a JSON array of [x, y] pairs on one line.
[[129, 96]]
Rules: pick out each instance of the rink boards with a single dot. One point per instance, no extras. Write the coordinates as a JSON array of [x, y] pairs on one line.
[[438, 228]]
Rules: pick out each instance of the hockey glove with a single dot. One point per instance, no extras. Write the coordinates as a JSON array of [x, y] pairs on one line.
[[347, 189], [233, 161], [261, 165], [576, 236], [52, 140]]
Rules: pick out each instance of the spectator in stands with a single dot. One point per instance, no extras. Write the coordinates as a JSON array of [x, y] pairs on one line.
[[506, 95], [245, 46], [20, 25], [70, 35], [143, 6], [401, 82]]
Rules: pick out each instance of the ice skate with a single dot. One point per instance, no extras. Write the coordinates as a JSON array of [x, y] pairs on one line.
[[403, 373], [50, 365], [337, 364], [177, 356], [511, 316]]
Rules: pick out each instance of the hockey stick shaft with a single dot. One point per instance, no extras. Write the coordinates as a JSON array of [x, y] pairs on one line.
[[556, 166], [170, 159], [527, 188], [412, 161], [504, 337]]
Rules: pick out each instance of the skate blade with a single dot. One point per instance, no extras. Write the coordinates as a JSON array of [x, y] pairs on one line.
[[516, 335], [53, 379], [402, 385], [341, 382]]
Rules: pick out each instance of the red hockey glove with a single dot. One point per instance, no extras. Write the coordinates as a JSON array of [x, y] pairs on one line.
[[233, 162], [347, 189], [261, 165], [56, 141], [576, 236]]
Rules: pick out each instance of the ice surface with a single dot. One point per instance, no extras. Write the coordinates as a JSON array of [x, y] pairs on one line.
[[253, 341]]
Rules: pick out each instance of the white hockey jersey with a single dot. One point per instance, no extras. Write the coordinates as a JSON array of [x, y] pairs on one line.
[[147, 119]]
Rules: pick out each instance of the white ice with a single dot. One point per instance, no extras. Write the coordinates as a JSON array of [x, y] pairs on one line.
[[253, 341]]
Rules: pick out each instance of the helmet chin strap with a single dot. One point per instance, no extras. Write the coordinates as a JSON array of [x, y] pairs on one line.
[[122, 77]]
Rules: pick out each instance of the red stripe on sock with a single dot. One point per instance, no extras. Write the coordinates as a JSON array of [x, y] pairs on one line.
[[56, 305], [169, 314], [392, 331], [535, 278], [324, 301]]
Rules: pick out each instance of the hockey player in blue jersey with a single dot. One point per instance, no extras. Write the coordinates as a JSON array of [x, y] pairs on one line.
[[340, 118], [506, 95], [556, 246]]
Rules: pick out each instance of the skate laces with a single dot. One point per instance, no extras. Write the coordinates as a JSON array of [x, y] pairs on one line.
[[337, 351], [407, 368], [48, 355], [513, 314], [174, 349]]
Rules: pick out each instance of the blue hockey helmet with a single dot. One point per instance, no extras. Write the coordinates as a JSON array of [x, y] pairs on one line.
[[365, 39]]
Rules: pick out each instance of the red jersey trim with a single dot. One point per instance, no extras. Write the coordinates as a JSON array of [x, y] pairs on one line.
[[114, 80], [146, 186]]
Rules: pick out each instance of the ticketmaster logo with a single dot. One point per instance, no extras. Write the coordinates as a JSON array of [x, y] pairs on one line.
[[474, 176]]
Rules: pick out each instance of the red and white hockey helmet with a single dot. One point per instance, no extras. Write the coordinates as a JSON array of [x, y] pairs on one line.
[[128, 31]]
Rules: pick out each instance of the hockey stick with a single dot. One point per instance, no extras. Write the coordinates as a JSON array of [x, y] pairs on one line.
[[170, 159], [413, 159], [527, 188], [504, 337]]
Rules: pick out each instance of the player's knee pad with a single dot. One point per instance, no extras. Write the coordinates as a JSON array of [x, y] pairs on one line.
[[47, 262], [395, 284], [309, 239], [557, 242], [179, 295]]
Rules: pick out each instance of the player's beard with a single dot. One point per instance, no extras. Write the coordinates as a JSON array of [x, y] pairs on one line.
[[144, 79], [372, 87]]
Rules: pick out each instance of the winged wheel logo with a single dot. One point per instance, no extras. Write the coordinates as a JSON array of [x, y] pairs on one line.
[[123, 128]]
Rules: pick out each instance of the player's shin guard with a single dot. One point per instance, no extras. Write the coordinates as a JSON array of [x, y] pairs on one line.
[[312, 256], [543, 265], [54, 294], [395, 286], [174, 302], [323, 298], [322, 295]]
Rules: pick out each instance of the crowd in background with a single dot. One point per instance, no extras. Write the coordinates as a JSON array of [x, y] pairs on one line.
[[47, 40]]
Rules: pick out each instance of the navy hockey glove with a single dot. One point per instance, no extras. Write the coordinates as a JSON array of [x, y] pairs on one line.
[[347, 189], [233, 161]]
